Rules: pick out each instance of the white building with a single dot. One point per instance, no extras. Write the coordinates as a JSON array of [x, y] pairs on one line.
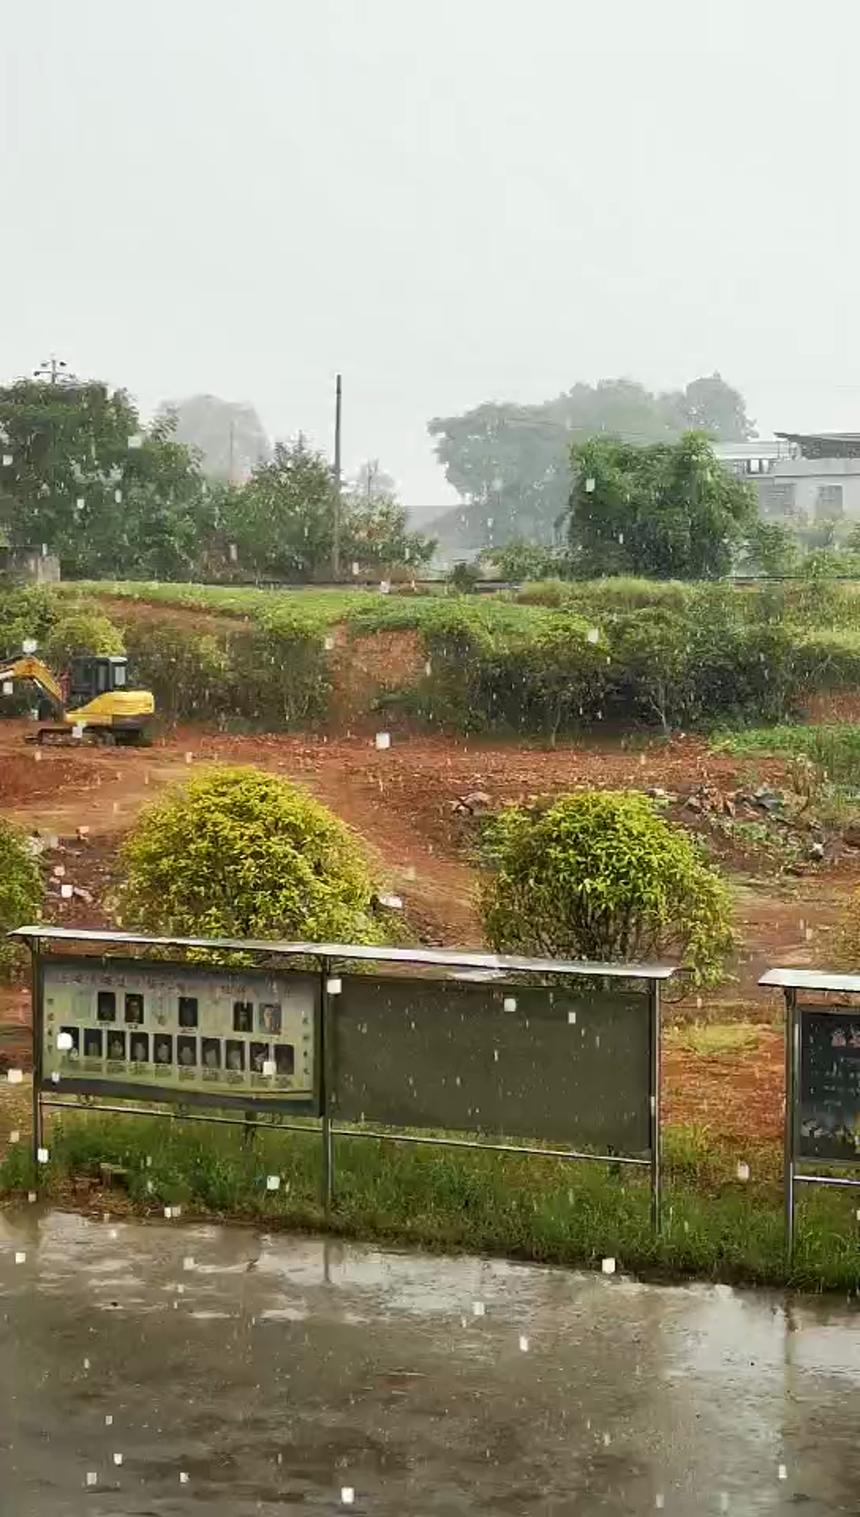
[[806, 477]]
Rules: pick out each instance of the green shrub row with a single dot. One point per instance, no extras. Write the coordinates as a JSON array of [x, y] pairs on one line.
[[660, 654]]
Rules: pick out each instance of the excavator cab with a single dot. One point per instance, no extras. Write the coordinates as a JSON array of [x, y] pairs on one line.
[[92, 675]]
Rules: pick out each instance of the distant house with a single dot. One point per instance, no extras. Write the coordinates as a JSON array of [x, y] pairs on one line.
[[807, 477]]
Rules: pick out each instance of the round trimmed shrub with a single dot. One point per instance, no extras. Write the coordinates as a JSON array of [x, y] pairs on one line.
[[240, 853], [81, 631], [601, 875], [20, 891]]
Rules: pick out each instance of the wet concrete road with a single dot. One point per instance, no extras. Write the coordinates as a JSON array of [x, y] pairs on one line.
[[231, 1372]]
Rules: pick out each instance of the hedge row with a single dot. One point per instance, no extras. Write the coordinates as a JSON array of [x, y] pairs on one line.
[[688, 656]]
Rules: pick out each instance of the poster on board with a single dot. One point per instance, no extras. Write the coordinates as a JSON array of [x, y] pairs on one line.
[[828, 1119], [176, 1032]]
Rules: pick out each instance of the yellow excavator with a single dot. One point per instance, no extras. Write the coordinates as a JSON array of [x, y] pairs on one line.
[[93, 701]]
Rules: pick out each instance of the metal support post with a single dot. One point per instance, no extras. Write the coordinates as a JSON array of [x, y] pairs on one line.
[[38, 1018], [654, 1010], [791, 1031], [325, 1089]]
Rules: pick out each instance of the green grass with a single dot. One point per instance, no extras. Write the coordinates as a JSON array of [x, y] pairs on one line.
[[539, 1209], [713, 1038], [834, 747]]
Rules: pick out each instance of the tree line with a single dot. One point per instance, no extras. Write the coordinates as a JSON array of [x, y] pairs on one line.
[[82, 475]]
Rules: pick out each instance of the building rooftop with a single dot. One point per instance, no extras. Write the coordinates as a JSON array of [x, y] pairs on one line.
[[825, 444]]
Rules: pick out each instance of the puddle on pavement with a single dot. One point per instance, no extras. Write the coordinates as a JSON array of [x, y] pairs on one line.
[[236, 1372]]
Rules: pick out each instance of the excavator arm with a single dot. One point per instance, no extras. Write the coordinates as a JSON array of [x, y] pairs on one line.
[[33, 669]]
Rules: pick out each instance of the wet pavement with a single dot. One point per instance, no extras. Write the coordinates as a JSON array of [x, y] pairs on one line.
[[167, 1370]]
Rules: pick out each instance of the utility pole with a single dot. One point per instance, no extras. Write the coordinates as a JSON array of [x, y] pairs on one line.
[[53, 369], [335, 541]]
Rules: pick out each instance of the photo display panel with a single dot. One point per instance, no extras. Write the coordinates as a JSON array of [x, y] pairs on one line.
[[828, 1118], [176, 1032]]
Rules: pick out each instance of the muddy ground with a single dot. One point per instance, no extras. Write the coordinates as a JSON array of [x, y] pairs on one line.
[[407, 803]]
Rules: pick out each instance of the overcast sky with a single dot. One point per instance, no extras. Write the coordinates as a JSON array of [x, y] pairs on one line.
[[449, 200]]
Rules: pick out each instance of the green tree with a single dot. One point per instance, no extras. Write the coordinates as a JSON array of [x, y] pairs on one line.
[[519, 560], [668, 510], [79, 473], [374, 531], [84, 630], [20, 892], [509, 463], [601, 876], [282, 520], [228, 436], [240, 853]]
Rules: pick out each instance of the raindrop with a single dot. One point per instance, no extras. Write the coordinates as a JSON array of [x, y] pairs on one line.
[[183, 1477], [592, 635], [510, 1003], [31, 1196], [14, 1076], [607, 1439], [743, 1170], [571, 1018], [608, 1266], [15, 1135], [117, 1459], [41, 1155], [92, 1477], [524, 1344], [334, 985], [20, 1258], [782, 1472], [347, 1495], [268, 1068], [383, 740], [64, 1041], [108, 1419], [478, 1309], [188, 1262], [273, 1182]]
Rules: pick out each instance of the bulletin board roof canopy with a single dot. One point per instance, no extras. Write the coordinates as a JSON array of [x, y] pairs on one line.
[[442, 958], [811, 979]]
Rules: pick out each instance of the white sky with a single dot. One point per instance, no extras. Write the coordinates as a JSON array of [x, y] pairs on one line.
[[449, 200]]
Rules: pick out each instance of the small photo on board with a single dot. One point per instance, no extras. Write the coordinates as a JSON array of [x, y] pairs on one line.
[[285, 1058], [186, 1051], [163, 1048], [259, 1055], [106, 1005], [134, 1008], [139, 1052], [270, 1018], [235, 1055], [93, 1043], [116, 1045], [211, 1053], [75, 1035], [188, 1011], [243, 1016]]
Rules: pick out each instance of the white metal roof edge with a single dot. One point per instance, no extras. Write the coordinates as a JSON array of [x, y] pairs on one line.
[[810, 979], [461, 958]]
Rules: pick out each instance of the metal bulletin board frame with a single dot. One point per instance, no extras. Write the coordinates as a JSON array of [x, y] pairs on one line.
[[329, 961], [790, 982]]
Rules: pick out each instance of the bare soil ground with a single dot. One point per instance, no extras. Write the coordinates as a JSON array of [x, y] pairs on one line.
[[403, 801]]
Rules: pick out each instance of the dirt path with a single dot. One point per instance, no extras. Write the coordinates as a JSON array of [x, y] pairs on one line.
[[403, 803]]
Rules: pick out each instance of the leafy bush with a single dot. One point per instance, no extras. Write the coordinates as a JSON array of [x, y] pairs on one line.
[[25, 612], [188, 671], [84, 630], [20, 891], [240, 853], [600, 875]]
